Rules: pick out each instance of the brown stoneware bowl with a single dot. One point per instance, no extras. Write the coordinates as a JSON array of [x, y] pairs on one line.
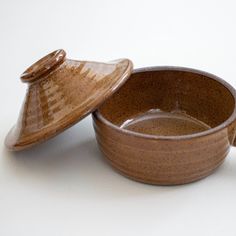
[[167, 125]]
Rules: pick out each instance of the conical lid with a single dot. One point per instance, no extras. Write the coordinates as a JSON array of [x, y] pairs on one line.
[[60, 93]]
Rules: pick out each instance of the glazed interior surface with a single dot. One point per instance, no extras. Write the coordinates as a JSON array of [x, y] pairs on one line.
[[169, 103]]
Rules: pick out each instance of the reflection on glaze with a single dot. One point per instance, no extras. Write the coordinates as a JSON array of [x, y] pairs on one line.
[[158, 122]]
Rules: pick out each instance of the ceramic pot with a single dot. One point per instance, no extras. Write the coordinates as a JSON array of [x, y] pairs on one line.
[[167, 125]]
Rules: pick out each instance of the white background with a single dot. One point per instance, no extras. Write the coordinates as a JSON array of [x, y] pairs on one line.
[[65, 187]]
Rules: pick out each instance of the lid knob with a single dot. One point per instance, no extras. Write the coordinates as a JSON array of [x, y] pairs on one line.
[[43, 66]]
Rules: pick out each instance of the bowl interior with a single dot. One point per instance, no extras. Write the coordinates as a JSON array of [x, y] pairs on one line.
[[169, 102]]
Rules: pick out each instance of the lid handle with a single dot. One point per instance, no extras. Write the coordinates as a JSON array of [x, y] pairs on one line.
[[43, 66]]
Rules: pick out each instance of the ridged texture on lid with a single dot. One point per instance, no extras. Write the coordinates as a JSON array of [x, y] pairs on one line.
[[62, 96]]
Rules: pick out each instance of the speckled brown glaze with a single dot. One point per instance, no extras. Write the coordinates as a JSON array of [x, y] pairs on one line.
[[61, 92], [156, 157]]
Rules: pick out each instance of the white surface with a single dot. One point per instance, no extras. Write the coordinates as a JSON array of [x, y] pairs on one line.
[[65, 187]]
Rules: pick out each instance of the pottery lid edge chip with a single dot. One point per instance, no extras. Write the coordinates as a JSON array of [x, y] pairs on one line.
[[60, 93]]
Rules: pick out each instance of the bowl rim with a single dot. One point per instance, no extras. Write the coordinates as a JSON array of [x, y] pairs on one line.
[[232, 118]]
